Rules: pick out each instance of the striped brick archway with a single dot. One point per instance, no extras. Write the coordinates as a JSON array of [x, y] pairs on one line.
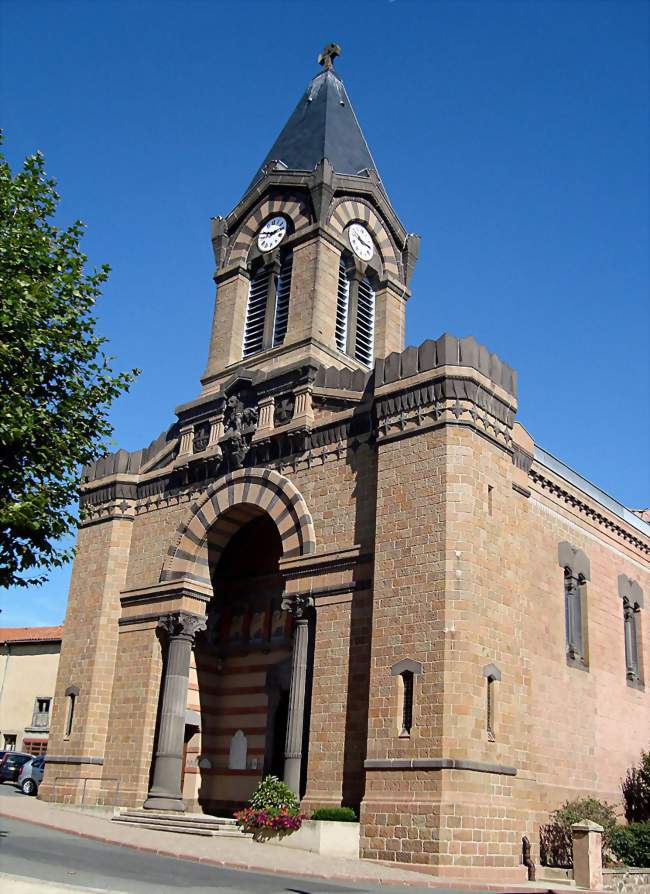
[[226, 505]]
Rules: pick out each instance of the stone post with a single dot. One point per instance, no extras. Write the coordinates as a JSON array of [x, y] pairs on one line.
[[165, 792], [299, 606], [587, 855]]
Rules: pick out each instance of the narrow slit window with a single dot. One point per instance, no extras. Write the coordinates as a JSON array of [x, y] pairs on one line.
[[630, 620], [365, 340], [72, 698], [490, 694], [342, 306], [256, 312], [574, 622], [407, 703], [490, 499], [282, 292]]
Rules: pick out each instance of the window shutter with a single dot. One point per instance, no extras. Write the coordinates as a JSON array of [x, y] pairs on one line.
[[342, 303], [255, 312], [365, 323], [282, 301]]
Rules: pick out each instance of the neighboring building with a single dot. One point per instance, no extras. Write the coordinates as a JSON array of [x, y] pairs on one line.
[[346, 562], [29, 660]]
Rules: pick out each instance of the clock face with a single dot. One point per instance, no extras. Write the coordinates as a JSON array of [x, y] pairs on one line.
[[272, 233], [361, 242]]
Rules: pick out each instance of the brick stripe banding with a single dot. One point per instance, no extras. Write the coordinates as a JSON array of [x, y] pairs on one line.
[[293, 208], [267, 491], [348, 210]]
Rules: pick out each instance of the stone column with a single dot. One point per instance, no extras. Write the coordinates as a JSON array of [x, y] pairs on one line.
[[300, 608], [165, 792], [588, 855]]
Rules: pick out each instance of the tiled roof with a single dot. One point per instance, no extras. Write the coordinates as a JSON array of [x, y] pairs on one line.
[[30, 634]]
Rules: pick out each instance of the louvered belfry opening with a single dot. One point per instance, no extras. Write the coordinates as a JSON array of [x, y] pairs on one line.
[[342, 306], [267, 311], [364, 342], [256, 312], [355, 314], [282, 292]]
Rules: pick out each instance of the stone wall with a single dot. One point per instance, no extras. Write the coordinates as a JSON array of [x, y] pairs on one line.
[[627, 880]]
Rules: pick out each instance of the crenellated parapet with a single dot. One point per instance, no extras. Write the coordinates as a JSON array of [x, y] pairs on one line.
[[302, 413]]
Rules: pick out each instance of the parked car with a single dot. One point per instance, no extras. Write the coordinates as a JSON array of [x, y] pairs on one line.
[[11, 765], [31, 776]]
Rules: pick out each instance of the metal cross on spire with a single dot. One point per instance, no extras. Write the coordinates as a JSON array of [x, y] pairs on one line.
[[329, 54]]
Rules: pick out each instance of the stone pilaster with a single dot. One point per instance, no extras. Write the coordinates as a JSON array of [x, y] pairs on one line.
[[303, 411], [181, 629], [185, 446], [266, 407]]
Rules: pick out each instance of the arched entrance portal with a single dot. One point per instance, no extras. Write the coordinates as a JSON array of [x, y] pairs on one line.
[[242, 665], [230, 543]]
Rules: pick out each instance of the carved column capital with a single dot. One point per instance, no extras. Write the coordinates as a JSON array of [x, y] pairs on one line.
[[182, 625], [298, 606]]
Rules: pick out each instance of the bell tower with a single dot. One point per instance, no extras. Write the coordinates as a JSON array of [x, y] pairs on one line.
[[313, 264]]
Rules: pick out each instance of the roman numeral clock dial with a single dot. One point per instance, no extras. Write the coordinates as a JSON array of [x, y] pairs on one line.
[[272, 233], [361, 242]]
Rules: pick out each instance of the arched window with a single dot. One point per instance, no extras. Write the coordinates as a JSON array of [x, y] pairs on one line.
[[574, 586], [630, 619], [407, 702], [267, 311], [71, 695], [632, 595], [355, 314], [492, 676]]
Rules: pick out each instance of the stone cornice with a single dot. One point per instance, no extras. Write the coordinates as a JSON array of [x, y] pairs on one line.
[[438, 763], [580, 502]]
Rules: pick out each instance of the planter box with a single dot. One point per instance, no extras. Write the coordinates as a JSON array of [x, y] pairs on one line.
[[319, 837]]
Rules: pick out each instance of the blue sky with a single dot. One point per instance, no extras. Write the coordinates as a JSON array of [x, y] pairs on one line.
[[513, 136]]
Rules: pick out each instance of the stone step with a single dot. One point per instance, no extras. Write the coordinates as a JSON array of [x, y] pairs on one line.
[[153, 821], [189, 824], [182, 830], [201, 818]]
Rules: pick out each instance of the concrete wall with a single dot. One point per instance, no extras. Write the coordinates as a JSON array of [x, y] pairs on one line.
[[27, 671]]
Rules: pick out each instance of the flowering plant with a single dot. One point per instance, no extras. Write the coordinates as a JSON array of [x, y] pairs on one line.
[[273, 807], [279, 819]]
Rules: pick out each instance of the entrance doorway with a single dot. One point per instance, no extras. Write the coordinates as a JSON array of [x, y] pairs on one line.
[[242, 665]]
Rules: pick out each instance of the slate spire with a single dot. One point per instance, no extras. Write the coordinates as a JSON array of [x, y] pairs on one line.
[[323, 125]]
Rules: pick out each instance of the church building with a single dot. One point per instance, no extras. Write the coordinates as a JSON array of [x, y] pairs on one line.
[[345, 562]]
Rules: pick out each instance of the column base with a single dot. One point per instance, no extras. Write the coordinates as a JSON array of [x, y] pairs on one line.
[[163, 802]]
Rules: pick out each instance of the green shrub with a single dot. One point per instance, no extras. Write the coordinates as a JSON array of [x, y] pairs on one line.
[[337, 814], [631, 844], [555, 838], [636, 791], [271, 792]]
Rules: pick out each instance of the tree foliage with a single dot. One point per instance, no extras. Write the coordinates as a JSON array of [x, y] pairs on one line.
[[636, 791], [56, 381]]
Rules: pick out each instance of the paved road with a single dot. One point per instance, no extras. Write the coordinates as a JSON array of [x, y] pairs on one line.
[[34, 852]]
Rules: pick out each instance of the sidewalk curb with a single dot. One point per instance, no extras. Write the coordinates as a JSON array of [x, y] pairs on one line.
[[459, 884]]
